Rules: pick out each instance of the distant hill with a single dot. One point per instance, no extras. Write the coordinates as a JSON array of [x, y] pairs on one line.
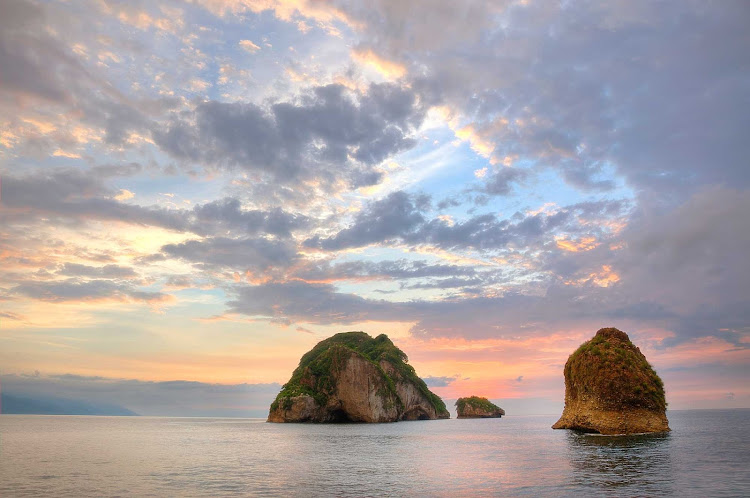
[[47, 405]]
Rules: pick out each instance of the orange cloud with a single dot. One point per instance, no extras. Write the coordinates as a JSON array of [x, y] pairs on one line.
[[583, 244], [388, 69], [603, 278], [477, 141]]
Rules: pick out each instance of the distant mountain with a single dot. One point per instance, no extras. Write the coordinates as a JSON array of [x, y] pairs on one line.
[[47, 405]]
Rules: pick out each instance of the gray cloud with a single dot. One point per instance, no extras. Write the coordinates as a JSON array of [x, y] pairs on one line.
[[313, 137], [180, 281], [46, 188], [442, 25], [88, 290], [240, 254], [400, 218], [319, 303], [474, 317], [651, 90], [677, 272], [392, 217], [32, 63], [652, 93], [396, 270], [79, 195], [448, 283], [227, 213], [40, 65], [686, 263], [439, 381], [107, 271], [487, 232], [76, 195], [501, 182], [117, 170]]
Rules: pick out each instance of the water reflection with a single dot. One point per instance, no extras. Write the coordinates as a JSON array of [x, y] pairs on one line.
[[616, 463], [347, 459]]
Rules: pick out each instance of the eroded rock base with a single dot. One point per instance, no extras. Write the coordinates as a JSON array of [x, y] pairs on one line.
[[609, 422]]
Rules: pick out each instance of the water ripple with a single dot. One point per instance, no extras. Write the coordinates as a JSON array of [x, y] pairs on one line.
[[706, 454]]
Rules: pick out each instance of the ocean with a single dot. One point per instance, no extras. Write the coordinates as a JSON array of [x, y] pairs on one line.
[[706, 454]]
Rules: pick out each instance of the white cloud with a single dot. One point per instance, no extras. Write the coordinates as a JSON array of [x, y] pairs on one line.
[[249, 46], [124, 195]]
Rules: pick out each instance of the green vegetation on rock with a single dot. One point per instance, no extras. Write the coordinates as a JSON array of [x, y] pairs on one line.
[[313, 376], [612, 370], [477, 403]]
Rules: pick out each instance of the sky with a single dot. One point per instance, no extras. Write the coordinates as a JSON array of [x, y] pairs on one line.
[[194, 193]]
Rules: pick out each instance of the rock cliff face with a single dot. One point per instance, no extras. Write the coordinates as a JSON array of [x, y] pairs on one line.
[[476, 407], [352, 377], [610, 388]]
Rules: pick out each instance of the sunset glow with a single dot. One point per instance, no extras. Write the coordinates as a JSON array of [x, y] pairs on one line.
[[202, 191]]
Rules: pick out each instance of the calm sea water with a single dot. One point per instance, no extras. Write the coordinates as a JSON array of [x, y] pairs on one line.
[[706, 454]]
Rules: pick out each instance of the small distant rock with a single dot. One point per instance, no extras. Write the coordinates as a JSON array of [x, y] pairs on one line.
[[610, 388], [476, 407]]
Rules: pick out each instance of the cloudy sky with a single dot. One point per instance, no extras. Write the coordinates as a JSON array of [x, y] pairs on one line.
[[200, 191]]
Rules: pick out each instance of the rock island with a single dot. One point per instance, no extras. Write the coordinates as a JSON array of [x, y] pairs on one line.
[[610, 388], [476, 407], [352, 377]]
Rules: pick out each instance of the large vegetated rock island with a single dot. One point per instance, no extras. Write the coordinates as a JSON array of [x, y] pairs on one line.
[[352, 377], [610, 388], [476, 407]]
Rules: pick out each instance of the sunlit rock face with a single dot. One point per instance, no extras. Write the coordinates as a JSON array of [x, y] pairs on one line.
[[476, 407], [352, 377], [610, 388]]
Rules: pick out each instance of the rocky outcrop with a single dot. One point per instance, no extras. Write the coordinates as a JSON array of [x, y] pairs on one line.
[[610, 388], [352, 377], [476, 407]]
